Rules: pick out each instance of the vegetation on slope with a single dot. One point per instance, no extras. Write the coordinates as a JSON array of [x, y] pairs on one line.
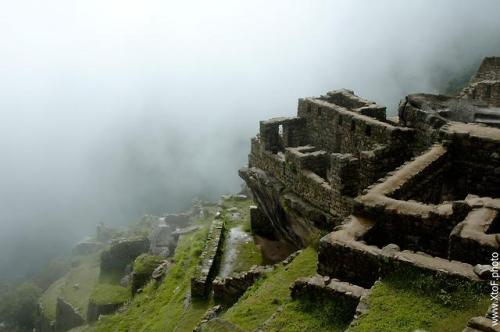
[[146, 263], [413, 301], [268, 305], [75, 287], [109, 293], [165, 307], [18, 307]]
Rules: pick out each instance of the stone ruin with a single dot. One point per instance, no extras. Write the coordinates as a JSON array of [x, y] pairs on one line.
[[421, 191]]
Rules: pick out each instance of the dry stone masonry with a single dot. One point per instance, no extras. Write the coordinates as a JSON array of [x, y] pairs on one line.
[[207, 268], [421, 192]]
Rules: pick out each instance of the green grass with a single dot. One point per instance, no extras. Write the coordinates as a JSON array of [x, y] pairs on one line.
[[410, 301], [262, 300], [107, 294], [75, 287], [248, 255], [164, 307], [146, 263], [306, 315]]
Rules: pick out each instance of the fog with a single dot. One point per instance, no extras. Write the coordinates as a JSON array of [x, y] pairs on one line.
[[113, 109]]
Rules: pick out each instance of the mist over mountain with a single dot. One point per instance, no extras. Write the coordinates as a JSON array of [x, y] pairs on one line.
[[114, 109]]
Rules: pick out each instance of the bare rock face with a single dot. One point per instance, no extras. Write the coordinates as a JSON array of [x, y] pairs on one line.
[[67, 317], [281, 215]]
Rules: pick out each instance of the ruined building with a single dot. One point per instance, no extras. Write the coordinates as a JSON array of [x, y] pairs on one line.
[[421, 191]]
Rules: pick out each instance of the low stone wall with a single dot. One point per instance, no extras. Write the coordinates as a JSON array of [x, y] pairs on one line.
[[67, 317], [346, 294], [342, 255], [95, 310], [471, 241], [229, 290], [207, 268]]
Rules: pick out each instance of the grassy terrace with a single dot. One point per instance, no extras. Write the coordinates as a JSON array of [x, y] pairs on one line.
[[268, 305], [109, 293], [402, 302], [165, 307], [75, 287], [412, 301]]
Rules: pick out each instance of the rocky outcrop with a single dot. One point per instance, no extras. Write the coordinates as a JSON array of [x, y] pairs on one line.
[[282, 215], [67, 316]]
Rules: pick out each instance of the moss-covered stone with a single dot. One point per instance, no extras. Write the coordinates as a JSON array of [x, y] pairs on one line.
[[144, 265]]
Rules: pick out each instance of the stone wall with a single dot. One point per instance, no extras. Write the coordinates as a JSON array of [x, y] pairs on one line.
[[475, 239], [95, 310], [336, 129], [323, 287], [342, 143], [229, 290], [67, 317], [485, 91], [343, 255], [207, 268], [122, 252], [476, 158], [489, 70]]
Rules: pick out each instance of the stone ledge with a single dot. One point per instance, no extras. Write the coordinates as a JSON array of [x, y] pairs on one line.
[[229, 290]]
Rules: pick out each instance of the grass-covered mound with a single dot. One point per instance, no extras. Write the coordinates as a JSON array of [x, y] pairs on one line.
[[411, 301]]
